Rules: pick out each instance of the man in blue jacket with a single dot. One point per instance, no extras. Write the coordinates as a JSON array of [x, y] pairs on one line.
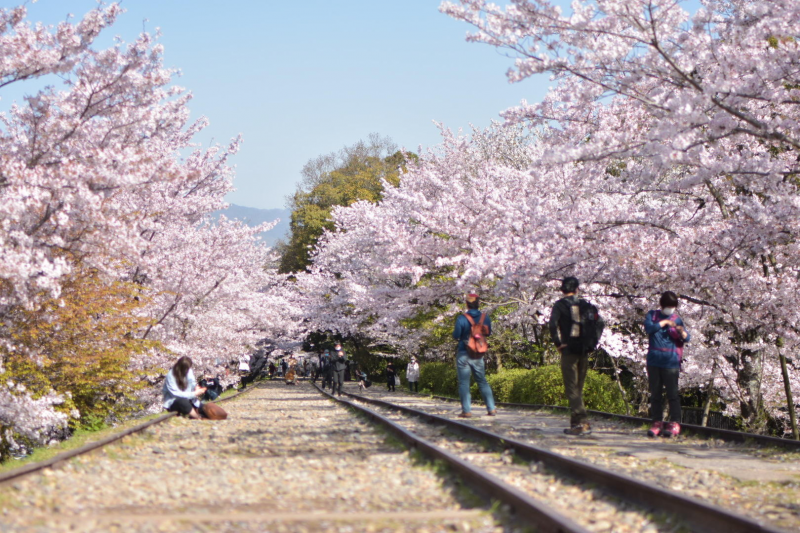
[[465, 365]]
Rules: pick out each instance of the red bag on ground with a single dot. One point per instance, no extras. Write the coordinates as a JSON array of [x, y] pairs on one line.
[[213, 411]]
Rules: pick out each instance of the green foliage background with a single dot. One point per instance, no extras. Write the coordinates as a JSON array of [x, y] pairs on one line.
[[543, 386], [355, 173]]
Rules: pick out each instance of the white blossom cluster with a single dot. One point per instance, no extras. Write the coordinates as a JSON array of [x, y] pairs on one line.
[[665, 157]]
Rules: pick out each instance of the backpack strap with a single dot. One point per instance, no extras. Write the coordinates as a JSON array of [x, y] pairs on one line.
[[469, 319], [483, 317]]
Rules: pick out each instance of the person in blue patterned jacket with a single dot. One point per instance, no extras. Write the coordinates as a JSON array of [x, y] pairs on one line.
[[667, 334]]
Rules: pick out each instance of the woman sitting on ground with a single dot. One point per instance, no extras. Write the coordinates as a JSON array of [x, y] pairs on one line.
[[181, 391]]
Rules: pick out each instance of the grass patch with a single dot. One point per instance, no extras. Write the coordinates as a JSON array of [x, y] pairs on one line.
[[83, 436], [78, 439], [226, 394]]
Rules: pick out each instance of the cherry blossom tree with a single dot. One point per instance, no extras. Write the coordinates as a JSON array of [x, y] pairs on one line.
[[93, 178], [700, 113]]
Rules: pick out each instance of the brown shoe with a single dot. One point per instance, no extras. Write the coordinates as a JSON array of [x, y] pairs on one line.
[[465, 415], [493, 412], [579, 429]]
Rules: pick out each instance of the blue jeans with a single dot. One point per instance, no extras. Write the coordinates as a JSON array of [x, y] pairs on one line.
[[476, 368]]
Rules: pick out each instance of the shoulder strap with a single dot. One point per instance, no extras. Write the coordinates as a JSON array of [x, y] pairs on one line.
[[483, 317], [469, 318]]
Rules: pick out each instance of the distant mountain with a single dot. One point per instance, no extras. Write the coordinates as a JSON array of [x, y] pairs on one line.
[[253, 216]]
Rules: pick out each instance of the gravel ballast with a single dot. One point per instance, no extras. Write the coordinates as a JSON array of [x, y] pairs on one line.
[[287, 459]]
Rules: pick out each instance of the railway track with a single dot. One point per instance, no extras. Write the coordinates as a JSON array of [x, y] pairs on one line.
[[286, 459], [700, 431], [691, 512], [62, 458], [525, 507]]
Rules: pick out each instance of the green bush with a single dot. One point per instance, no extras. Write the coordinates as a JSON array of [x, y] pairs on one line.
[[545, 385], [542, 385], [438, 378]]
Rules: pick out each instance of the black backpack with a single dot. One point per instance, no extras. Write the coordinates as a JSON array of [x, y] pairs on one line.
[[589, 328]]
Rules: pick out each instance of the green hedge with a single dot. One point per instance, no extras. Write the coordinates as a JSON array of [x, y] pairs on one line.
[[541, 385], [438, 378]]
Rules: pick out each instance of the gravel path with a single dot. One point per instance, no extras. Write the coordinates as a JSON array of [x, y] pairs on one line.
[[286, 460], [759, 482]]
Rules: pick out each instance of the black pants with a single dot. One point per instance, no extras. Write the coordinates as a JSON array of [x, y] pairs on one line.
[[412, 386], [660, 379], [327, 379], [182, 406], [338, 378]]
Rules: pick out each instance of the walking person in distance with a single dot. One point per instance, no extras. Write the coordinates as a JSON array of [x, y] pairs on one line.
[[391, 376], [667, 334], [470, 331], [338, 367], [575, 328], [412, 375], [326, 370]]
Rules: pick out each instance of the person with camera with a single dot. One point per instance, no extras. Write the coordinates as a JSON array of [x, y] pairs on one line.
[[667, 335], [181, 392], [338, 367], [213, 388]]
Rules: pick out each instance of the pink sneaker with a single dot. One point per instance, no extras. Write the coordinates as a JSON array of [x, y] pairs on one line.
[[673, 429], [655, 429]]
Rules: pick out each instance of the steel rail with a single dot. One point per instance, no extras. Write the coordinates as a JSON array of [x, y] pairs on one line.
[[58, 460], [523, 506], [701, 517], [702, 431]]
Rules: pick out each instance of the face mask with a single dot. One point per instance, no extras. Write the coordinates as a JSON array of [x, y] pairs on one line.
[[669, 311]]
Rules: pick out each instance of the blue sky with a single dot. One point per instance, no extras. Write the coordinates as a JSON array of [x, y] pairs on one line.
[[299, 79]]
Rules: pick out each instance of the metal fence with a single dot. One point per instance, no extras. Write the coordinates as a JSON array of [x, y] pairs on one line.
[[694, 415]]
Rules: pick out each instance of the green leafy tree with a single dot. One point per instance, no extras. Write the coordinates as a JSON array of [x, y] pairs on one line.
[[353, 173]]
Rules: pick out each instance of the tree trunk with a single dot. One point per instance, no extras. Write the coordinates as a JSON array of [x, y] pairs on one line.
[[707, 404], [621, 388], [789, 399], [749, 374]]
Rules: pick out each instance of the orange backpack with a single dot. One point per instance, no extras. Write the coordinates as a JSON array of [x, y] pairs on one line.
[[477, 345]]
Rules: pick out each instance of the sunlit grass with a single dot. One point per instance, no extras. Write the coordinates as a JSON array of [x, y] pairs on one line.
[[79, 438]]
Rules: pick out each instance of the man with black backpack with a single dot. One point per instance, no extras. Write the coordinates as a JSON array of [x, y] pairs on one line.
[[471, 331], [575, 327]]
